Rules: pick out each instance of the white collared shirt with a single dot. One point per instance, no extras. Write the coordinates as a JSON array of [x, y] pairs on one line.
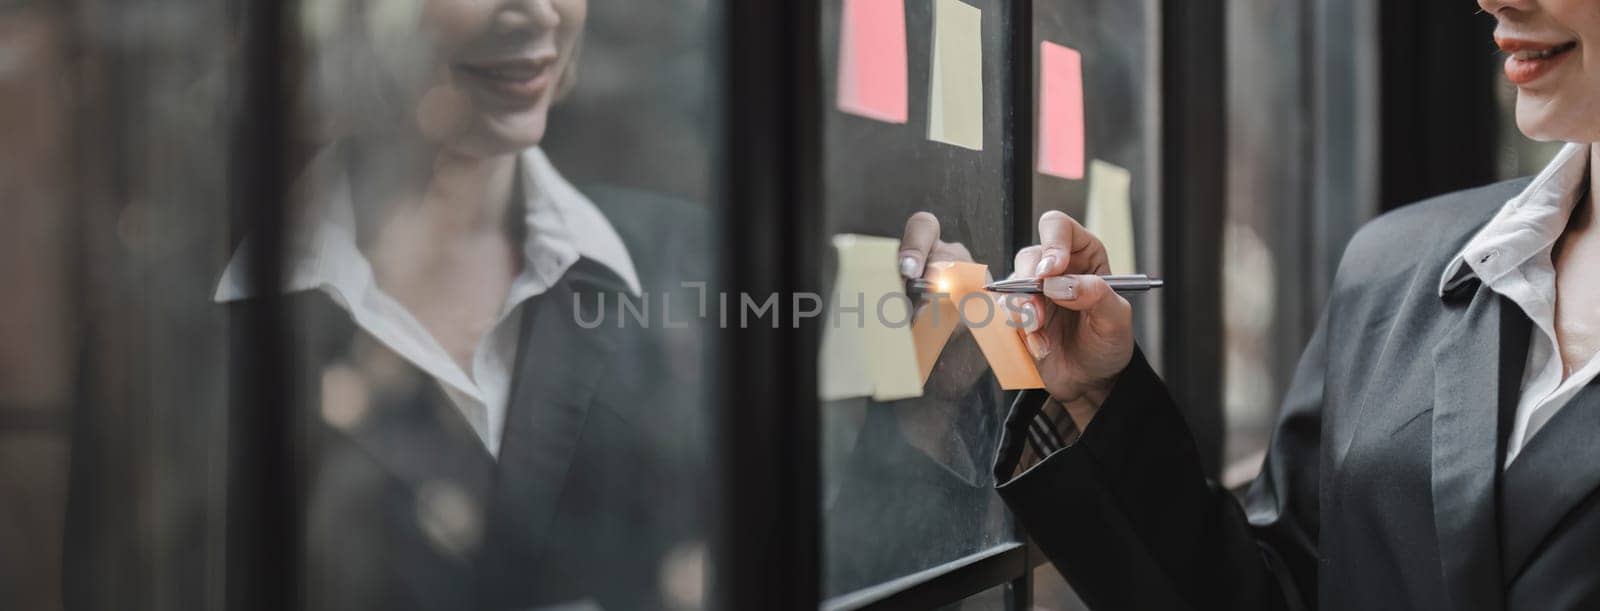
[[563, 225], [1511, 255]]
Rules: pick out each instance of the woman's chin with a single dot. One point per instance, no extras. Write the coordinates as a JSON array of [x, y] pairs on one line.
[[1540, 119], [518, 131], [495, 137]]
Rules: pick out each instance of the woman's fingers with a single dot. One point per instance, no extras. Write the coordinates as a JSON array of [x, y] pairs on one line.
[[949, 251], [1067, 248], [917, 243], [1025, 263], [1085, 293], [1028, 312]]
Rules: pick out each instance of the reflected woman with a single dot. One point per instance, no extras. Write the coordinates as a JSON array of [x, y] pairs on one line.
[[476, 445]]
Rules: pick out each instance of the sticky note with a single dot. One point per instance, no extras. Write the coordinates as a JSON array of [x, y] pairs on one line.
[[935, 322], [872, 59], [1110, 214], [1060, 111], [981, 312], [955, 105], [867, 346]]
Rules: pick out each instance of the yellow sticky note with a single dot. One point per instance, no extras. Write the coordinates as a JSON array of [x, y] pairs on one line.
[[955, 104], [1110, 214], [981, 312], [867, 345]]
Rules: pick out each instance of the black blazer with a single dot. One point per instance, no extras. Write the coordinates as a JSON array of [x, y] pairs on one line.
[[601, 472], [1382, 487]]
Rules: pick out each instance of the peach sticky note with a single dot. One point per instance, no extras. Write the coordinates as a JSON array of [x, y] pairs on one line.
[[867, 346], [1110, 214], [1060, 111], [955, 105], [982, 313], [935, 322], [872, 59]]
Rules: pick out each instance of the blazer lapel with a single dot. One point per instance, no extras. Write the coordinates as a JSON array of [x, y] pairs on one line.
[[1558, 469], [409, 427], [558, 366], [1468, 370]]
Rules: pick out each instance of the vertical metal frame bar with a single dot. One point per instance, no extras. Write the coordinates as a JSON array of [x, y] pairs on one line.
[[263, 497], [1018, 136], [766, 549], [1019, 146]]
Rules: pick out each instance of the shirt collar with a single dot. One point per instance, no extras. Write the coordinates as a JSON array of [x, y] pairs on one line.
[[1528, 225], [563, 225]]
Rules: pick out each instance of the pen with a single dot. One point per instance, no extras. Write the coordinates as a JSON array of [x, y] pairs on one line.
[[1121, 283]]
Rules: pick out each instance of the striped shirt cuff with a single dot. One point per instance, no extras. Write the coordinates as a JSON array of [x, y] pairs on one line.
[[1051, 430]]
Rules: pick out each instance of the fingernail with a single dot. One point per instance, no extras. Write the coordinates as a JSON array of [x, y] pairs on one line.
[[1064, 288], [1037, 346], [1033, 317], [1044, 265], [908, 267]]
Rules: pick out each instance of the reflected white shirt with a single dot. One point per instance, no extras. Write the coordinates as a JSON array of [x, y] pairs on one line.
[[563, 225], [1511, 255]]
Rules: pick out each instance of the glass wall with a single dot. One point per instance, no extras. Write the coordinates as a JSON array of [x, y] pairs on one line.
[[1303, 168], [907, 484], [36, 317], [1269, 128], [357, 304]]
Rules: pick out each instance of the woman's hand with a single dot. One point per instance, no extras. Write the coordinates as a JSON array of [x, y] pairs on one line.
[[1080, 331], [920, 245]]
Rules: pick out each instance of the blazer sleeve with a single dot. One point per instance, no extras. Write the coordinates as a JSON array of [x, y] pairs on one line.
[[1126, 515]]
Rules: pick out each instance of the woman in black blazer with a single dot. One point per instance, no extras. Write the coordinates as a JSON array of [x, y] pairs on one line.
[[1437, 447]]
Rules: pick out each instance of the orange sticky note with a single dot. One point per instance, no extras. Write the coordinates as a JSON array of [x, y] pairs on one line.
[[931, 329], [982, 313], [872, 59], [1061, 135]]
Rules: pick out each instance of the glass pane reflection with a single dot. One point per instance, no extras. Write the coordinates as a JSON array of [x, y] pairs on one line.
[[475, 184], [495, 186], [907, 484]]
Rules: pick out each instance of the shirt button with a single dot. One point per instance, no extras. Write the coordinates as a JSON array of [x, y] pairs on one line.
[[1488, 255]]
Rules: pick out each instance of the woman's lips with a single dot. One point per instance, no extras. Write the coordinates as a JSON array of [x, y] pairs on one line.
[[515, 82], [1526, 60]]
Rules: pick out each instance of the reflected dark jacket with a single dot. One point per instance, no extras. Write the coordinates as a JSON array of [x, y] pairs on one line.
[[1382, 487], [599, 482]]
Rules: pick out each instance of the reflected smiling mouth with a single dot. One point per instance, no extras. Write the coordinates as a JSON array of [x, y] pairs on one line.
[[507, 70], [518, 80]]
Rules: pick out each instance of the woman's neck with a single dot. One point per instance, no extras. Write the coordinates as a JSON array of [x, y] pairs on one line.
[[468, 195], [449, 194]]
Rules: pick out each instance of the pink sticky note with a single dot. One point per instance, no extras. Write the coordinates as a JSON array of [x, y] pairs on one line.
[[1060, 111], [872, 59]]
